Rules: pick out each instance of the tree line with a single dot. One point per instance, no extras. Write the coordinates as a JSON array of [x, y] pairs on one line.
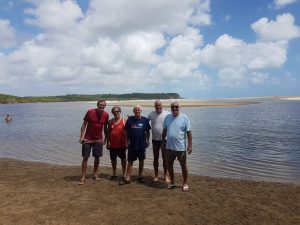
[[8, 99]]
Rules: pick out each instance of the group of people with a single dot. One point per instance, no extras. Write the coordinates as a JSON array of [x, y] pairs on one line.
[[169, 134]]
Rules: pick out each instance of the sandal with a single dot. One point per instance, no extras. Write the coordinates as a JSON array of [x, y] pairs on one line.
[[124, 181], [171, 186], [81, 182], [96, 178], [185, 187]]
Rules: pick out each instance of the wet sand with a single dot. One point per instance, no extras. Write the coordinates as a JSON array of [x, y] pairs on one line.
[[37, 193]]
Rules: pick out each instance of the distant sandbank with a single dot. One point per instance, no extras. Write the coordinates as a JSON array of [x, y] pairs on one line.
[[185, 102], [213, 102]]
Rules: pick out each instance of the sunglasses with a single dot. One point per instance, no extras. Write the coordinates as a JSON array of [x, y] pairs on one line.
[[174, 107], [115, 112]]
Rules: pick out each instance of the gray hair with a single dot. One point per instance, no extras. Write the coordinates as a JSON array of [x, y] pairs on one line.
[[175, 103], [116, 107]]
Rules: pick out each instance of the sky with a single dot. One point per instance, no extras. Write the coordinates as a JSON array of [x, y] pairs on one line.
[[196, 48]]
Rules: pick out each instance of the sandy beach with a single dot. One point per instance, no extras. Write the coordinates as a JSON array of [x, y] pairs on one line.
[[203, 102], [37, 193], [184, 102]]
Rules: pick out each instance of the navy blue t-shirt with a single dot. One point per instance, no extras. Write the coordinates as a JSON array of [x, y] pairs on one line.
[[136, 129]]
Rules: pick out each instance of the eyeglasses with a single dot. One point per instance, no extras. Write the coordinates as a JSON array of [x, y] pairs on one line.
[[115, 112]]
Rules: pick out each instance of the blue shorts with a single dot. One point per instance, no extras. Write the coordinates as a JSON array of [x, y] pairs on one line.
[[96, 147], [136, 154], [117, 152]]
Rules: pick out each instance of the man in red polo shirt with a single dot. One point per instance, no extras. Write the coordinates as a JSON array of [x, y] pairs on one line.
[[91, 137]]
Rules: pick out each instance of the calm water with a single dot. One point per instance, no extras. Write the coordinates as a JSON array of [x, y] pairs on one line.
[[257, 142]]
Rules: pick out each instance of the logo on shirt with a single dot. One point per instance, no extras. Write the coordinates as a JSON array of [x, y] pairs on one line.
[[139, 125]]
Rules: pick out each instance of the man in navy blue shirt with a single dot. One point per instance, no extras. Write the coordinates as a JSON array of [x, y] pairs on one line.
[[138, 134]]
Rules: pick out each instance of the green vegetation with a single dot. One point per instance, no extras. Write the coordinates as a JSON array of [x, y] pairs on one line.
[[76, 97]]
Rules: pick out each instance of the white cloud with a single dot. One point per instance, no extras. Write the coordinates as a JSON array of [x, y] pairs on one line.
[[265, 55], [181, 57], [141, 47], [232, 77], [231, 52], [281, 29], [7, 34], [58, 15], [115, 18], [226, 18], [282, 3], [122, 46], [259, 78], [226, 52]]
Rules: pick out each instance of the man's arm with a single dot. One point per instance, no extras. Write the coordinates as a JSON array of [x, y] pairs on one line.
[[189, 137], [147, 138], [82, 131], [163, 139], [105, 128], [108, 137]]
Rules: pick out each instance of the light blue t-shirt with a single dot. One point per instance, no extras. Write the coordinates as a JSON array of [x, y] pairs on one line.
[[177, 127]]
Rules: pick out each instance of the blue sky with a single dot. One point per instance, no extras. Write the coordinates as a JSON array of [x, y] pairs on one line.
[[199, 49]]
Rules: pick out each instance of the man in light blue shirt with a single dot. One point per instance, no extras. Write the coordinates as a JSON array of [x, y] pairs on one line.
[[176, 127]]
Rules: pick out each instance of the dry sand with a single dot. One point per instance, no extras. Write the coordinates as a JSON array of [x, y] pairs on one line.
[[36, 193]]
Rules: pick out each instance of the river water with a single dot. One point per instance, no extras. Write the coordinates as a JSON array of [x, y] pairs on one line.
[[255, 142]]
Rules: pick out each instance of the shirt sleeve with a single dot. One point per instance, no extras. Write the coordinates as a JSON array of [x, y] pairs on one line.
[[188, 124], [164, 125], [127, 125]]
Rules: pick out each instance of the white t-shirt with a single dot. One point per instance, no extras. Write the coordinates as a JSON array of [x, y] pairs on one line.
[[156, 123]]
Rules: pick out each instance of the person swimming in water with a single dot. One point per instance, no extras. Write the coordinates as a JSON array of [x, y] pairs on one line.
[[8, 118]]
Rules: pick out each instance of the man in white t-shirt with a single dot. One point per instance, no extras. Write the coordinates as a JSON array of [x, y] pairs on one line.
[[157, 118]]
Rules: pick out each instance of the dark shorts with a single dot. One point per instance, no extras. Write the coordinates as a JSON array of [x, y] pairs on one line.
[[96, 147], [117, 152], [136, 154], [156, 142], [171, 155]]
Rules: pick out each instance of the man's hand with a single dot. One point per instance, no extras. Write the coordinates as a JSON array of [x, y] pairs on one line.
[[189, 149]]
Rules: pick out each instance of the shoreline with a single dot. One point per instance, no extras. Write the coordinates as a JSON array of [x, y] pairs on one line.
[[40, 193], [166, 103]]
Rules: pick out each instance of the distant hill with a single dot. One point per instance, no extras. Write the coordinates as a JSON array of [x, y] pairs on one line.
[[77, 97]]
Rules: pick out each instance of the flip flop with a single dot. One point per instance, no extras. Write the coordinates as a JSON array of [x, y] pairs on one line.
[[171, 186], [124, 181], [185, 188], [96, 178], [81, 182]]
